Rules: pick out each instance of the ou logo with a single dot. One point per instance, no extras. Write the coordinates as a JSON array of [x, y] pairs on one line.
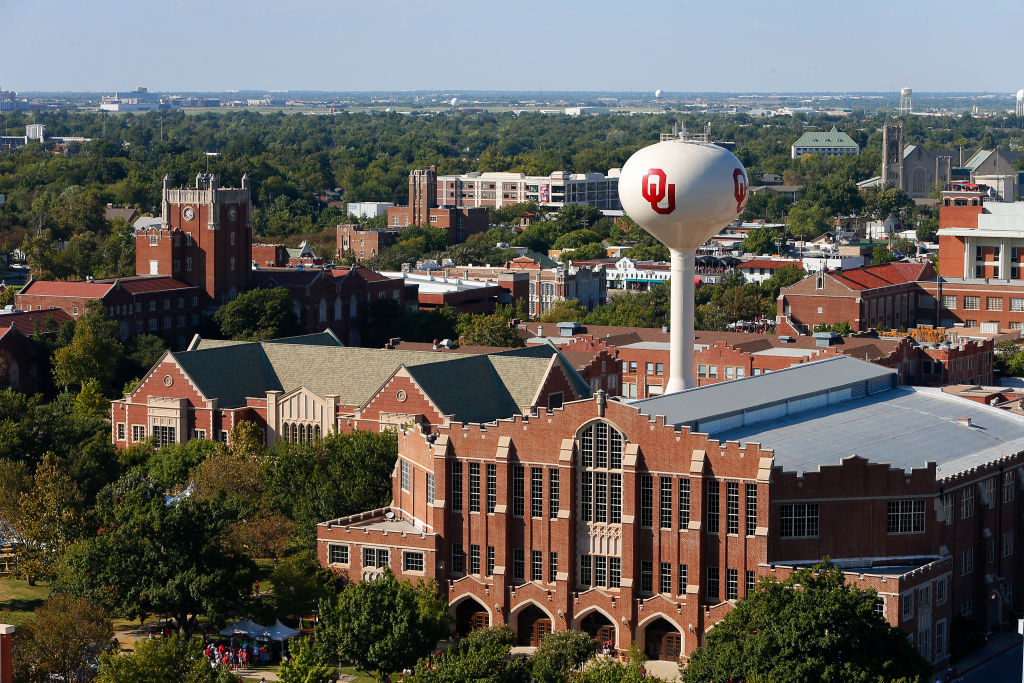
[[739, 189], [655, 188]]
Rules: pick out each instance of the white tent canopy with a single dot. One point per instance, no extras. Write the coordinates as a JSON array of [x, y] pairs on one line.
[[281, 632], [244, 627]]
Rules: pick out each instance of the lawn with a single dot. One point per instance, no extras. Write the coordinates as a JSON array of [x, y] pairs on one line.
[[20, 598]]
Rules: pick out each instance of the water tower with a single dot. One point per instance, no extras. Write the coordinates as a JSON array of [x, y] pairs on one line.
[[682, 192], [906, 101], [1020, 102]]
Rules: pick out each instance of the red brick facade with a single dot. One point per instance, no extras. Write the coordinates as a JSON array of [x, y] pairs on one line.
[[364, 244]]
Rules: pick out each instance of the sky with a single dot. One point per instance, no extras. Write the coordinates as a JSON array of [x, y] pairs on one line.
[[452, 45]]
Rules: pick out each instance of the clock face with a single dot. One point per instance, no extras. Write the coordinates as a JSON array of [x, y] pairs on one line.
[[232, 213], [189, 213]]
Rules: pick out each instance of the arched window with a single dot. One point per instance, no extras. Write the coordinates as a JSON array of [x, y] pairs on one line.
[[323, 311], [317, 430], [600, 468], [353, 307], [337, 308], [295, 433]]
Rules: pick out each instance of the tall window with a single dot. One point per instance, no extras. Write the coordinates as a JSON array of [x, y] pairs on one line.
[[518, 566], [406, 476], [474, 487], [586, 570], [799, 520], [732, 584], [458, 558], [967, 502], [552, 567], [684, 504], [600, 474], [614, 572], [732, 508], [646, 576], [646, 500], [430, 489], [600, 570], [949, 508], [665, 577], [553, 502], [474, 559], [536, 492], [536, 565], [713, 507], [1009, 479], [683, 578], [751, 583], [518, 492], [490, 560], [492, 486], [456, 486], [712, 583], [751, 517], [665, 504], [164, 435]]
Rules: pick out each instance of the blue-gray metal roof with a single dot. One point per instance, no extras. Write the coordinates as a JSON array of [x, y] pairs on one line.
[[703, 405], [903, 427]]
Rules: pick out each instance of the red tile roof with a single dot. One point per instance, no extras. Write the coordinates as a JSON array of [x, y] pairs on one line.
[[884, 275], [27, 322], [85, 290]]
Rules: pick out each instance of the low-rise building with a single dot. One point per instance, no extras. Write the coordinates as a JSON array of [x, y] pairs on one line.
[[364, 243], [558, 189], [831, 143], [25, 367]]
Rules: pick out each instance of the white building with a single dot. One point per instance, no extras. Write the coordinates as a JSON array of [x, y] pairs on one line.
[[497, 189], [369, 209], [829, 143], [812, 264]]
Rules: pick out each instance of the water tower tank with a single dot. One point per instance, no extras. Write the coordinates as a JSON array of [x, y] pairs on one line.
[[682, 192]]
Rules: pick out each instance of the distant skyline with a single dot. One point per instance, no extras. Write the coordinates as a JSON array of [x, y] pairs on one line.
[[557, 45]]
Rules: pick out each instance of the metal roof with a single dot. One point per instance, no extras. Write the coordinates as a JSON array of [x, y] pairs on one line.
[[820, 138], [904, 427], [699, 407]]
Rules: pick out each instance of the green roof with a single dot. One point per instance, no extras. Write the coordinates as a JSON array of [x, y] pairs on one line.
[[469, 388], [832, 138]]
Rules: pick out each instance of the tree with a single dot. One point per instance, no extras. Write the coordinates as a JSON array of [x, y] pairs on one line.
[[300, 583], [807, 220], [383, 625], [834, 195], [63, 639], [587, 252], [94, 352], [559, 654], [304, 666], [263, 535], [763, 241], [564, 310], [90, 402], [173, 465], [483, 655], [150, 556], [259, 314], [488, 330], [647, 252], [166, 659], [904, 246], [607, 670], [577, 238], [881, 254], [881, 202], [810, 627], [48, 520]]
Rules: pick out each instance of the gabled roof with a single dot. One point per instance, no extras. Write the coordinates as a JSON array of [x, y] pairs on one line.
[[469, 388], [884, 275]]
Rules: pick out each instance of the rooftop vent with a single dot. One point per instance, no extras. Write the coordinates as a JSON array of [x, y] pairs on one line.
[[786, 339], [826, 338]]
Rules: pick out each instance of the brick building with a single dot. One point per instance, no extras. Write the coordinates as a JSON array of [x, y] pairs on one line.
[[269, 256], [435, 292], [645, 521], [364, 243], [23, 366], [721, 356], [155, 304], [497, 189], [302, 387], [424, 209]]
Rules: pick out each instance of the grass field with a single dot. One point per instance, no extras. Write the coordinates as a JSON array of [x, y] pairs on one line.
[[20, 598]]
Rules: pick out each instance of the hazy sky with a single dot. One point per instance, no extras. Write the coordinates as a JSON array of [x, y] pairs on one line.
[[710, 45]]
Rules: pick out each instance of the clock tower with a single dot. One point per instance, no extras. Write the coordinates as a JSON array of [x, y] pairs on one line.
[[205, 238]]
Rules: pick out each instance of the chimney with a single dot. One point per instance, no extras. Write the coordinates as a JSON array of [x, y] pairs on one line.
[[965, 421]]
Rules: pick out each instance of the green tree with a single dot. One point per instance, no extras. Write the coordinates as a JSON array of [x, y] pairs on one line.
[[810, 627], [573, 217], [1009, 359], [90, 402], [882, 202], [247, 440], [559, 654], [587, 252], [176, 658], [300, 583], [647, 252], [48, 520], [577, 238], [383, 625], [881, 254], [172, 466], [808, 220], [62, 640], [305, 666], [153, 557], [488, 330], [904, 246], [259, 314], [563, 311], [834, 195], [763, 241], [607, 670], [484, 655], [94, 353]]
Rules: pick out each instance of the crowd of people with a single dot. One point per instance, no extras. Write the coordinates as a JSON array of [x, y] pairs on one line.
[[237, 655]]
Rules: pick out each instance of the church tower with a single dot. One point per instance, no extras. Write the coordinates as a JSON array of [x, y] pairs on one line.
[[208, 230], [892, 155]]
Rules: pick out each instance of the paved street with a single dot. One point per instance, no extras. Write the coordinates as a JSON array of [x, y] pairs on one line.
[[1005, 668]]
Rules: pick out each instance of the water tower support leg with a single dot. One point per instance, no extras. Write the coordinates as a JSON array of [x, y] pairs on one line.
[[680, 355]]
